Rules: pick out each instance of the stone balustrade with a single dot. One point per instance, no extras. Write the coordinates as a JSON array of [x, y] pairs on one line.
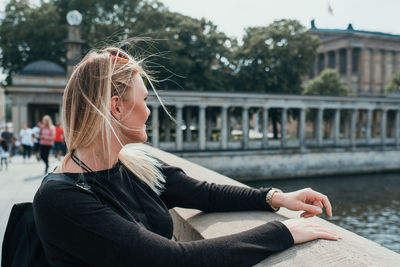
[[189, 225], [320, 121]]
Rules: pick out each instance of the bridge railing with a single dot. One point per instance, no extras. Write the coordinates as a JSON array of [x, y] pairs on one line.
[[235, 121], [189, 224]]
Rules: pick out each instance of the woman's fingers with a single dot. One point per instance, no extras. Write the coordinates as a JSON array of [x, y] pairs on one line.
[[318, 197], [327, 235], [309, 208]]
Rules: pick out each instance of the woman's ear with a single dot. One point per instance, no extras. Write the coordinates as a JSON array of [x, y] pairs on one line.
[[116, 107]]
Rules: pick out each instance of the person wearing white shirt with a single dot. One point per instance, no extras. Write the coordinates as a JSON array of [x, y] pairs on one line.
[[26, 138], [36, 140]]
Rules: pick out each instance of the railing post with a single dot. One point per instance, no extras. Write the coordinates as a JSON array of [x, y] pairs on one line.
[[302, 127], [224, 127], [155, 126], [336, 131], [319, 126], [245, 127], [383, 126], [353, 127], [188, 132], [265, 128], [368, 133], [202, 127], [283, 127], [179, 137]]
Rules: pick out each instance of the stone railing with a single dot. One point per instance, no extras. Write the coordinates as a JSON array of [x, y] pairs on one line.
[[351, 250], [209, 120]]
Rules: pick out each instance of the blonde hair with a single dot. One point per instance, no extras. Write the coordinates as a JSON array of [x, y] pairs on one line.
[[86, 110], [49, 121]]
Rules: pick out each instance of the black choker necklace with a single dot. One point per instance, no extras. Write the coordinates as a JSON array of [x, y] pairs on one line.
[[84, 185]]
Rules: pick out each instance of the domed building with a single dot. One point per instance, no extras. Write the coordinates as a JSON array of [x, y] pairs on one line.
[[38, 88], [37, 91]]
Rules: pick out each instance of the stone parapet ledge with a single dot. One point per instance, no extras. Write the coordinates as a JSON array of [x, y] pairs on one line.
[[351, 250]]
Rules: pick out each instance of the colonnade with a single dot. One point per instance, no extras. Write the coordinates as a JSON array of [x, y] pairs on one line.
[[264, 104]]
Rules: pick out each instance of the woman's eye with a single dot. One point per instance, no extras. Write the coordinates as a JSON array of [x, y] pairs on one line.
[[145, 98]]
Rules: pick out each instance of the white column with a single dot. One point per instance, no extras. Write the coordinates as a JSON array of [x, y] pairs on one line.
[[2, 106], [353, 127], [336, 127], [16, 118], [397, 62], [224, 127], [179, 137], [319, 126], [349, 55], [265, 128], [245, 127], [368, 133], [202, 127], [60, 113], [383, 126], [283, 127], [337, 61], [302, 127], [154, 126], [365, 68]]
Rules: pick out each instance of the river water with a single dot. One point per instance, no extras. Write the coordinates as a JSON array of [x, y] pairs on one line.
[[368, 205]]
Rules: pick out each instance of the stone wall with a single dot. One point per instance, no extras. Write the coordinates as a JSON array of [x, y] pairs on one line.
[[351, 250], [250, 165]]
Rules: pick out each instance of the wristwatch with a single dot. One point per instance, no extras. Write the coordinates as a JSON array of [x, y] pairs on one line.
[[269, 195]]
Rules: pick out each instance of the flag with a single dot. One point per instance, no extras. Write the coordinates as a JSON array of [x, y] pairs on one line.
[[330, 10]]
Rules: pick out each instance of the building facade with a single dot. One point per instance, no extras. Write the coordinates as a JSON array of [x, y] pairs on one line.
[[365, 60], [37, 91]]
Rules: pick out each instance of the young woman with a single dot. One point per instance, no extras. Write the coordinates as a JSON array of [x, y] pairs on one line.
[[123, 219], [47, 134]]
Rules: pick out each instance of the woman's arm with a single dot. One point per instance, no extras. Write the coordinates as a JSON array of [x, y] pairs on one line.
[[186, 192], [73, 221]]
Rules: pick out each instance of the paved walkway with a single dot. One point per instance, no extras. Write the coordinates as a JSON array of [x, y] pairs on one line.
[[19, 184]]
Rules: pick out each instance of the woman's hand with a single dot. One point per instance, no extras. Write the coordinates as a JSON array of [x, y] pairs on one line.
[[310, 201], [304, 230]]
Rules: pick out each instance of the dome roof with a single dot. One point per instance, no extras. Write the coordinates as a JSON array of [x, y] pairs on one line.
[[43, 68]]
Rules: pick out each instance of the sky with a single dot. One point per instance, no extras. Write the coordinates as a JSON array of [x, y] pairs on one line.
[[233, 16]]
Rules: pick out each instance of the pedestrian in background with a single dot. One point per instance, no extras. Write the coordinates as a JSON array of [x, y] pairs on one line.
[[58, 141], [4, 153], [26, 139], [47, 135], [8, 137], [36, 144]]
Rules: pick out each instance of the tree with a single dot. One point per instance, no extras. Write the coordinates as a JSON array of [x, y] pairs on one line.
[[328, 82], [274, 59], [29, 33], [193, 49], [394, 85]]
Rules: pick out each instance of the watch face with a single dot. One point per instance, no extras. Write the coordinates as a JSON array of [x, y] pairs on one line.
[[74, 18]]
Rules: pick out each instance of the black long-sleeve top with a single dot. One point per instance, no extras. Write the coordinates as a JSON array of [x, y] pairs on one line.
[[121, 221]]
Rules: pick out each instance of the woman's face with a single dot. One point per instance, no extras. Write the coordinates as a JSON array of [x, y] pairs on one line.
[[44, 123], [134, 112]]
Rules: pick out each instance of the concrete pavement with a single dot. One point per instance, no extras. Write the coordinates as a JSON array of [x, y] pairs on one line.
[[19, 184]]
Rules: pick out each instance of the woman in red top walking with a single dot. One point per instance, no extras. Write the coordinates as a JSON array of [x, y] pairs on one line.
[[58, 141], [47, 135]]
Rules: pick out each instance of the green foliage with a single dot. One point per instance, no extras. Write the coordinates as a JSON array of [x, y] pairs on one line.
[[394, 85], [327, 83], [29, 33], [273, 59], [186, 53]]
